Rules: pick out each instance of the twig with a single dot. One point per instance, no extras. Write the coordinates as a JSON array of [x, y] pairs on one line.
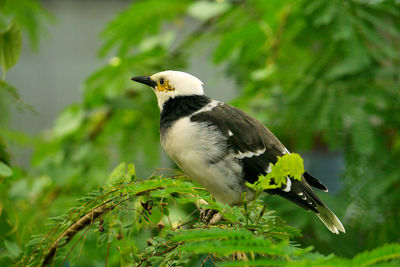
[[183, 224], [77, 241], [107, 254], [75, 228], [203, 262], [161, 253], [85, 220]]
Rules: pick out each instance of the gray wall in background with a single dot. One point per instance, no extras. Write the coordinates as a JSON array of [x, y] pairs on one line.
[[51, 78]]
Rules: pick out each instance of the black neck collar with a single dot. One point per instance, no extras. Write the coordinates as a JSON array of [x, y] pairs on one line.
[[179, 107]]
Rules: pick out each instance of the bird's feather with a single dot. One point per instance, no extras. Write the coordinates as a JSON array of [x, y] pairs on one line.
[[256, 147], [314, 182]]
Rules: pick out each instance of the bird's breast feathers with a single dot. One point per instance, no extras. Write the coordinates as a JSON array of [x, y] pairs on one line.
[[200, 150]]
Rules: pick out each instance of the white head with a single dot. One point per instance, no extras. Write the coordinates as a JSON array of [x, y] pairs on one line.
[[169, 84]]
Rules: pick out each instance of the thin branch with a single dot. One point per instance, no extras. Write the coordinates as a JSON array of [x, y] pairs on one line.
[[107, 254], [75, 228], [76, 243], [84, 221]]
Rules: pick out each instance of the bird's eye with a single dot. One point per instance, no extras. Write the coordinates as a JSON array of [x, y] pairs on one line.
[[162, 81]]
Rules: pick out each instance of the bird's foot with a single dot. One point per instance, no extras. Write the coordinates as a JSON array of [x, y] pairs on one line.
[[241, 256], [210, 216]]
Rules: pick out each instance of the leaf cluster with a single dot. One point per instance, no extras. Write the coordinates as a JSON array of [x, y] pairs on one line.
[[114, 216], [289, 165]]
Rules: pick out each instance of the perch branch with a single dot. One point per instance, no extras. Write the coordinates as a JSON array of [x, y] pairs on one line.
[[84, 221]]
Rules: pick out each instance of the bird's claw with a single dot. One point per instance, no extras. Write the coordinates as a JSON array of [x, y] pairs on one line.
[[210, 216]]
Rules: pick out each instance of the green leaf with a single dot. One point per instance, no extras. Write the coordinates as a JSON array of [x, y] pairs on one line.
[[117, 174], [203, 10], [288, 165], [212, 233], [131, 172], [227, 241], [5, 170], [10, 89], [13, 92], [145, 17], [163, 39], [4, 21], [10, 46], [4, 156], [12, 247], [385, 253], [262, 74], [31, 17], [68, 122], [155, 215]]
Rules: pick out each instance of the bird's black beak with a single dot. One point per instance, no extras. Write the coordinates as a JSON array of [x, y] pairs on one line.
[[145, 80]]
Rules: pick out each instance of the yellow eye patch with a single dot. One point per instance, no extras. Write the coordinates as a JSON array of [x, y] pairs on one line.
[[164, 87]]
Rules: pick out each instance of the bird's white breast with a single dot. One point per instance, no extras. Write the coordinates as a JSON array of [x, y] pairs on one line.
[[193, 146]]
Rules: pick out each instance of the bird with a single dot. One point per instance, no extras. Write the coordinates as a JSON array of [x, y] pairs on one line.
[[221, 147]]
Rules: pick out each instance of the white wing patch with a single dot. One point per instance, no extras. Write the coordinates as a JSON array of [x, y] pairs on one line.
[[249, 154], [208, 107], [303, 197], [230, 133], [269, 169], [288, 185]]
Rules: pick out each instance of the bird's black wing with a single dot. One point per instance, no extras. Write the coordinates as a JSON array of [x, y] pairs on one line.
[[256, 147]]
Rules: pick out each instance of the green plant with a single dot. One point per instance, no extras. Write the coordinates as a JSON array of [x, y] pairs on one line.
[[127, 208], [16, 18]]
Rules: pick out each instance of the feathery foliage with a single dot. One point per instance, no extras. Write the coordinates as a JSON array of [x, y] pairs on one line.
[[127, 208], [288, 165]]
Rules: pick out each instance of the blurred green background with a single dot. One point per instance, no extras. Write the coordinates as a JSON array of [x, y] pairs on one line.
[[322, 75]]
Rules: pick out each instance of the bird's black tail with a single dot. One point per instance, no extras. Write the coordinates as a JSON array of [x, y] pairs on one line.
[[324, 213], [301, 194]]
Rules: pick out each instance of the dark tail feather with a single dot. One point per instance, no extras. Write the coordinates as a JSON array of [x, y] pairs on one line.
[[323, 212], [314, 182], [301, 194]]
